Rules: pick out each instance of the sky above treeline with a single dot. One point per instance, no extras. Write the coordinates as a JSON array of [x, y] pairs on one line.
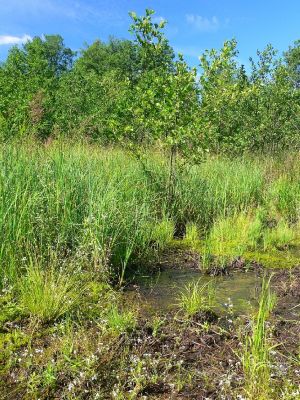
[[193, 25]]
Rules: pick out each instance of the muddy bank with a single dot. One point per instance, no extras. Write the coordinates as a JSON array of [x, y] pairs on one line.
[[165, 356], [181, 256], [209, 349], [286, 285]]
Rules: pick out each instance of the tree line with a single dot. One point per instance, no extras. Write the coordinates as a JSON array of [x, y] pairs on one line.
[[139, 92]]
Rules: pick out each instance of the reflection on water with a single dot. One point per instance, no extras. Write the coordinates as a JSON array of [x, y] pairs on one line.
[[237, 292]]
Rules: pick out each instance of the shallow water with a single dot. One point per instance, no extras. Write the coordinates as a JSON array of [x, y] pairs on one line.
[[236, 293]]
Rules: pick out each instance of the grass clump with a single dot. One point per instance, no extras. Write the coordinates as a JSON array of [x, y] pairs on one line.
[[192, 236], [197, 297], [235, 234], [48, 294], [279, 237], [284, 197], [163, 233], [256, 356], [120, 321]]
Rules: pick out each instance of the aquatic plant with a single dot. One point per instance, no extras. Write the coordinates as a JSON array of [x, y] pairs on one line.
[[196, 297]]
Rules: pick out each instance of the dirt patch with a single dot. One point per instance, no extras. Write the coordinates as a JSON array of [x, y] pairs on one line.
[[181, 259], [186, 259], [286, 285], [190, 360]]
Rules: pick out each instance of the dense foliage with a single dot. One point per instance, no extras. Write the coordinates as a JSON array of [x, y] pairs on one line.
[[96, 209], [138, 92]]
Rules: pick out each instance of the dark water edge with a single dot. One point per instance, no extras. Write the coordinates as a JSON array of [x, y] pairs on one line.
[[236, 293]]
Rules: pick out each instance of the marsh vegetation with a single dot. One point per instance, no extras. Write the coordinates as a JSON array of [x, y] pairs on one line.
[[82, 225], [149, 222]]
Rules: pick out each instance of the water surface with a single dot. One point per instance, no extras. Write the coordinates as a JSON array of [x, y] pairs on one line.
[[237, 292]]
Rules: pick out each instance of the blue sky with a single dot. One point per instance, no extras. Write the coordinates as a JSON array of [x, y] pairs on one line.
[[193, 25]]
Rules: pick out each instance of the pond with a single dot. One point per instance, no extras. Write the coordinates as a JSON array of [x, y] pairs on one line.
[[237, 292]]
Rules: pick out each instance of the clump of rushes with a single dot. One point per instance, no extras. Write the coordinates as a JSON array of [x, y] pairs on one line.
[[48, 294], [197, 297], [257, 348], [235, 234], [279, 237], [192, 236], [120, 321], [163, 233]]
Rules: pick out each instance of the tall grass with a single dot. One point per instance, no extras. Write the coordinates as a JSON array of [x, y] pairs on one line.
[[256, 356], [235, 234], [89, 205], [46, 295], [103, 210], [217, 188]]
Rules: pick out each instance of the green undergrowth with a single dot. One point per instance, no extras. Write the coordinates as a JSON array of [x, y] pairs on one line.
[[256, 357], [77, 220], [106, 211], [250, 235]]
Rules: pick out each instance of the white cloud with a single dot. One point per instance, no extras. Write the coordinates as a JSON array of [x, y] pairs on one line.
[[9, 40], [192, 51], [158, 19], [203, 24]]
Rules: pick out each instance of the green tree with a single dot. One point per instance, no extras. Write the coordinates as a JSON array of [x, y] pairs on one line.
[[91, 96], [155, 51], [273, 102], [222, 85], [121, 56], [292, 58], [29, 80], [164, 102]]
